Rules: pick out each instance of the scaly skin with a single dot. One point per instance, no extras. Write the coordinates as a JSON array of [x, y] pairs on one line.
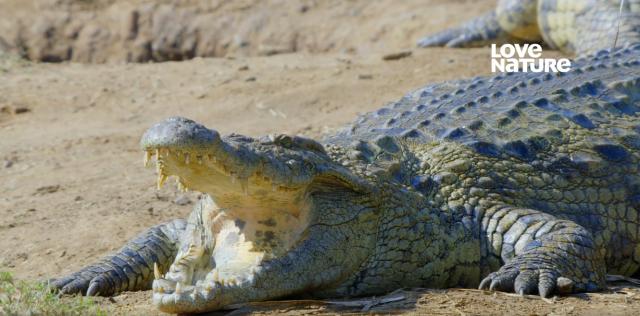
[[573, 26], [524, 182]]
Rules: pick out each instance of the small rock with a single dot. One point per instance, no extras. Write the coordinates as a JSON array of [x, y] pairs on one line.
[[14, 110], [396, 56], [78, 198], [63, 253], [365, 77], [243, 68], [182, 200], [250, 79], [47, 189], [8, 163], [20, 110]]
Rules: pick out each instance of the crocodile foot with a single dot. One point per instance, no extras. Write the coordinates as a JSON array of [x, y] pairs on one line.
[[477, 32], [530, 275]]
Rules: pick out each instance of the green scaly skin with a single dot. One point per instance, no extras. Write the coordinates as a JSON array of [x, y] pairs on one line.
[[572, 26], [524, 182]]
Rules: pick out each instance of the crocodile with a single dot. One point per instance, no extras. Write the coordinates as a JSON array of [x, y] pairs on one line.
[[518, 182], [572, 26]]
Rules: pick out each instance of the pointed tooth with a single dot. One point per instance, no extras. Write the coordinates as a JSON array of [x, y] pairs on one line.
[[233, 282], [181, 187], [233, 178], [160, 289], [274, 187], [158, 152], [162, 178], [216, 276], [147, 158], [187, 158], [156, 271], [178, 289], [208, 287]]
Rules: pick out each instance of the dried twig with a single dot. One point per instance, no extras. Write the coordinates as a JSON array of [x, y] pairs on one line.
[[367, 304], [617, 278]]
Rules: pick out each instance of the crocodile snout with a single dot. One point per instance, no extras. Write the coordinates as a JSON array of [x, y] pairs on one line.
[[179, 133]]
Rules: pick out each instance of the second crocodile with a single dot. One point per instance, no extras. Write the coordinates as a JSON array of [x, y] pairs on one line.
[[573, 26]]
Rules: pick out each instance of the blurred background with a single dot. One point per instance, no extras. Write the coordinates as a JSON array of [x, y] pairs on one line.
[[138, 31]]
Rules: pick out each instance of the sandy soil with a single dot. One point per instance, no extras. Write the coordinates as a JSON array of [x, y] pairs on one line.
[[72, 185]]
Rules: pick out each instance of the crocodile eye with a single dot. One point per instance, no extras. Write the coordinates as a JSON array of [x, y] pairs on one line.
[[283, 140], [308, 143]]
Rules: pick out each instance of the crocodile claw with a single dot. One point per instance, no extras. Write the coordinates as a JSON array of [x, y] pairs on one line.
[[542, 281]]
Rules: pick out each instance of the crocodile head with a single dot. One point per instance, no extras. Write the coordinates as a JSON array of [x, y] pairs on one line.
[[257, 204]]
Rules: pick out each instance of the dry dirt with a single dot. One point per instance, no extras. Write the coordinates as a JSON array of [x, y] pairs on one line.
[[72, 185]]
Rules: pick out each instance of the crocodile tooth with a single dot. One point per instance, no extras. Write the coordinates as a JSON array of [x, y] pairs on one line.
[[274, 187], [161, 180], [160, 289], [187, 158], [178, 289], [156, 271], [216, 276], [158, 153], [147, 158], [233, 178]]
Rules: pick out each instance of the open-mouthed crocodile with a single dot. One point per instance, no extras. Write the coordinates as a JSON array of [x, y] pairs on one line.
[[573, 26], [520, 182]]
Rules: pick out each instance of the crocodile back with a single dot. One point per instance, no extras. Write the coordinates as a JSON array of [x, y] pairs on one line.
[[587, 115]]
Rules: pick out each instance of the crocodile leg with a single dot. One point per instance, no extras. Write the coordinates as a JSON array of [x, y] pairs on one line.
[[542, 254], [513, 21], [131, 268], [477, 32]]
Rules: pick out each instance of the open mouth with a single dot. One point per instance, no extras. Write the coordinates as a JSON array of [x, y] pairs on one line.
[[247, 216]]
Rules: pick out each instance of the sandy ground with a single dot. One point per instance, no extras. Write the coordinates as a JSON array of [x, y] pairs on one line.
[[72, 185]]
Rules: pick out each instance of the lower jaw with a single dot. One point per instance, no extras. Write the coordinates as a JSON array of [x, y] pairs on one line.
[[170, 297]]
